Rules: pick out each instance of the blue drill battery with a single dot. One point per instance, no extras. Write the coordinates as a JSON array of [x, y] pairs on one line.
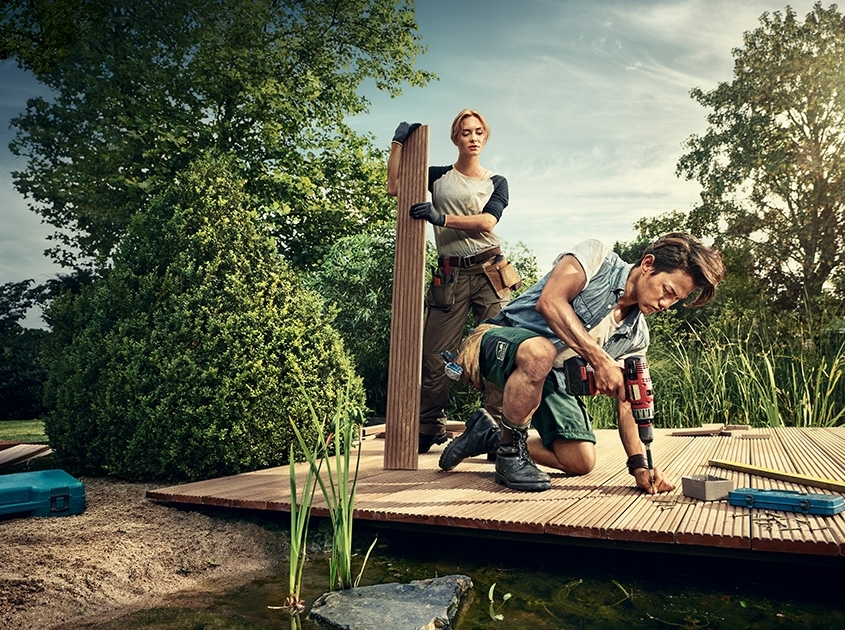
[[453, 370]]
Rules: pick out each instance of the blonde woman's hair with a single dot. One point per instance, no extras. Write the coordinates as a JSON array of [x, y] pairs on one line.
[[466, 113]]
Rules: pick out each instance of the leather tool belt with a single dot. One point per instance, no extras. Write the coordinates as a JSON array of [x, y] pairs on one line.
[[468, 261]]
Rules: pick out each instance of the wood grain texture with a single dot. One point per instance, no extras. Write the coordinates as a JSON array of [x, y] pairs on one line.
[[406, 326], [601, 507]]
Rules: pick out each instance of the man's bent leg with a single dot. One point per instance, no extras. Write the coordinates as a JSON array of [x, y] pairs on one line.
[[514, 357], [566, 441], [574, 457], [524, 387], [480, 436]]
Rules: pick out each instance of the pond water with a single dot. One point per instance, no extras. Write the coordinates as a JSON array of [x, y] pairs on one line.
[[552, 587]]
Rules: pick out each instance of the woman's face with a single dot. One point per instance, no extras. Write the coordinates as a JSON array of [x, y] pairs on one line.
[[472, 137]]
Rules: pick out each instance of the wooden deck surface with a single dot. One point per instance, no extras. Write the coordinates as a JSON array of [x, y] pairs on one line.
[[597, 508]]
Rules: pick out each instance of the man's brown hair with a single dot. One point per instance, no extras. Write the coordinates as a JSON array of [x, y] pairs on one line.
[[679, 250]]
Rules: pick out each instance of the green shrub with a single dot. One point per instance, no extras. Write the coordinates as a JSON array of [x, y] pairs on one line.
[[21, 374], [182, 361], [356, 280]]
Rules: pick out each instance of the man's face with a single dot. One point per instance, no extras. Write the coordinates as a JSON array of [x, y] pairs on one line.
[[658, 291]]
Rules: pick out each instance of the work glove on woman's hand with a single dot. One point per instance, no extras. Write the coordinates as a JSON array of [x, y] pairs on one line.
[[403, 131], [425, 210]]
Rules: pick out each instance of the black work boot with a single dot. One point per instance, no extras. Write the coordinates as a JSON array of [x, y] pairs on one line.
[[427, 441], [515, 468], [480, 436]]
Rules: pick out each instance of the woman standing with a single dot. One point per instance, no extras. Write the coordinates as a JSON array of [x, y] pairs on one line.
[[467, 202]]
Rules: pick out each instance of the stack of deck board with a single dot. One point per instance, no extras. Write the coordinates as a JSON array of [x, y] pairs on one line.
[[12, 453]]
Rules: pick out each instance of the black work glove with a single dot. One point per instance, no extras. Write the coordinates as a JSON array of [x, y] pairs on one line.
[[425, 210], [403, 131]]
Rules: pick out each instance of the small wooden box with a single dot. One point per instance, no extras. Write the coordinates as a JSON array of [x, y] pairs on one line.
[[707, 487]]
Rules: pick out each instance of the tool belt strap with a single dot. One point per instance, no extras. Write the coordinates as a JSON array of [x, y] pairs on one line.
[[469, 261]]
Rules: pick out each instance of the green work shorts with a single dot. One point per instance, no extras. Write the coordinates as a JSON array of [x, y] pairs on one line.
[[560, 415]]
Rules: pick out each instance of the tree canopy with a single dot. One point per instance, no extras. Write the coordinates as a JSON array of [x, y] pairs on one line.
[[772, 161], [141, 88]]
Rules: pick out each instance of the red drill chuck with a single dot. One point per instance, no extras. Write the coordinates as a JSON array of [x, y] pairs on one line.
[[639, 393]]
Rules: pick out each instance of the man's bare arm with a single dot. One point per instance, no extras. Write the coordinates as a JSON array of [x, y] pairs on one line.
[[565, 282]]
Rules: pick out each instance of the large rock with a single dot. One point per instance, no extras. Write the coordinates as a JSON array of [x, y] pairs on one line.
[[420, 605]]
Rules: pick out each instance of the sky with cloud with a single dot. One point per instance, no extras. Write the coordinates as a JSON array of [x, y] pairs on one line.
[[588, 104]]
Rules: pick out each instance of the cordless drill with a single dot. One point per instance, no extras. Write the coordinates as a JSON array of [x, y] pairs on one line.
[[639, 393], [580, 381]]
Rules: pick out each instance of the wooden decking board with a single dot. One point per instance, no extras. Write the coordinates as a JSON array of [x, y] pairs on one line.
[[600, 506], [607, 502], [782, 531], [715, 523], [14, 453], [808, 457], [831, 440], [591, 517], [655, 518]]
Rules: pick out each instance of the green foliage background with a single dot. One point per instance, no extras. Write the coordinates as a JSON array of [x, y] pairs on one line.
[[185, 360], [21, 374], [142, 88]]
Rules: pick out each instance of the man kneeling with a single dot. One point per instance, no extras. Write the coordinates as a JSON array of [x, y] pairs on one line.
[[592, 304]]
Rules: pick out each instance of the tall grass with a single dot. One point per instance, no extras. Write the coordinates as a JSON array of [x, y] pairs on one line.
[[759, 371], [752, 368], [300, 516]]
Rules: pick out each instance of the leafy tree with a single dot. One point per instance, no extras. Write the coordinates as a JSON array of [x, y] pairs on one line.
[[21, 374], [141, 88], [356, 279], [772, 162], [191, 357]]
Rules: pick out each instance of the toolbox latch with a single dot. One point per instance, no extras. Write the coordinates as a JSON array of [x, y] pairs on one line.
[[60, 502]]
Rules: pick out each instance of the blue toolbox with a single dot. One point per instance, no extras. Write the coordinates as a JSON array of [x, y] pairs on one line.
[[787, 500], [41, 493]]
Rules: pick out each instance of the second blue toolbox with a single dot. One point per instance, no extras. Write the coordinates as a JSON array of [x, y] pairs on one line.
[[41, 493], [787, 500]]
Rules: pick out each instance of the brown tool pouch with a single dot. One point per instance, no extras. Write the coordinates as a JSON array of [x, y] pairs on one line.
[[502, 276], [441, 292], [468, 354]]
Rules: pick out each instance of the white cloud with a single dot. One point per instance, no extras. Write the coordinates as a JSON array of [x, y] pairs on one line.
[[588, 102]]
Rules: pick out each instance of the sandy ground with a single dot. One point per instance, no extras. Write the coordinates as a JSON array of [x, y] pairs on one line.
[[123, 553]]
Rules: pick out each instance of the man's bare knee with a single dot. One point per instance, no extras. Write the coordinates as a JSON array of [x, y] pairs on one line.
[[576, 457], [535, 357]]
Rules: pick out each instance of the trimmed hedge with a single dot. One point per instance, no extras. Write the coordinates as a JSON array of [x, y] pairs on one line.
[[185, 360]]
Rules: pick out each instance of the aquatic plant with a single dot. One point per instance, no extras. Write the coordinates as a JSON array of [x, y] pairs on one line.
[[338, 485], [494, 612], [300, 516]]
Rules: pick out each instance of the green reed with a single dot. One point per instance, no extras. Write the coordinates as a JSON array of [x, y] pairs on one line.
[[748, 375], [300, 516], [750, 371], [338, 485]]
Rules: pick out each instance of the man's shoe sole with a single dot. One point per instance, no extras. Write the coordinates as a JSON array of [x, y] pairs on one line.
[[470, 425], [439, 439], [534, 486]]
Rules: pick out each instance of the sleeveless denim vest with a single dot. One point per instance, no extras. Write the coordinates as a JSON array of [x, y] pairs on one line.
[[592, 305]]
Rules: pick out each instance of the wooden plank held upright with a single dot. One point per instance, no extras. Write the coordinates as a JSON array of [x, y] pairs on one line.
[[406, 326]]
